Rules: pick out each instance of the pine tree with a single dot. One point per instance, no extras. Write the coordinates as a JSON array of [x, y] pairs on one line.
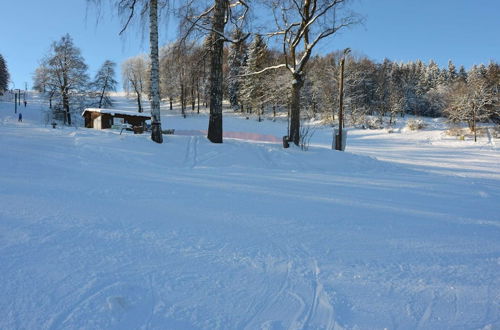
[[452, 71], [4, 75], [462, 74], [432, 75], [383, 87], [254, 85], [236, 62], [104, 82], [493, 83]]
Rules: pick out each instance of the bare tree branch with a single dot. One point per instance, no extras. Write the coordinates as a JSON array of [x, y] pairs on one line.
[[132, 9]]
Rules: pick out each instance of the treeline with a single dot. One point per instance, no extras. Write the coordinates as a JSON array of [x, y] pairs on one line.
[[381, 89], [393, 89], [377, 89]]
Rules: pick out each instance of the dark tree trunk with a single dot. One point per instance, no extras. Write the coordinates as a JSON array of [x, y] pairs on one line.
[[295, 109], [198, 94], [215, 122], [183, 101], [102, 93], [171, 103], [67, 116], [341, 104], [102, 97], [139, 105], [193, 97]]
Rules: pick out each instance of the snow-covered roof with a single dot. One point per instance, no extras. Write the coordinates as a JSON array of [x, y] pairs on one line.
[[117, 112]]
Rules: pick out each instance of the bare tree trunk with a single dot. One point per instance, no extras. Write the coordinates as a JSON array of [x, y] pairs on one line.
[[295, 109], [156, 134], [198, 94], [215, 122], [139, 105], [100, 99], [102, 93], [474, 123], [183, 100], [193, 98], [67, 116]]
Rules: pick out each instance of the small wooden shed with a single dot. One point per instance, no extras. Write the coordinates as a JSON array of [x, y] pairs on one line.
[[106, 118]]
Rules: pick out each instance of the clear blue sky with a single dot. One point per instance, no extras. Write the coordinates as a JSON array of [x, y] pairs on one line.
[[465, 31]]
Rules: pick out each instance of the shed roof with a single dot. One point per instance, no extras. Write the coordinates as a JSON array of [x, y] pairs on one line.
[[117, 112]]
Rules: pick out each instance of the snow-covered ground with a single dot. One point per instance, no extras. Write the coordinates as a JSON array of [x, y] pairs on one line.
[[106, 231]]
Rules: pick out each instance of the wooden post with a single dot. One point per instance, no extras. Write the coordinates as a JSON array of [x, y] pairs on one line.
[[338, 138]]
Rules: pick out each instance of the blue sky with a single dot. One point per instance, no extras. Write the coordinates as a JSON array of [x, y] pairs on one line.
[[465, 31]]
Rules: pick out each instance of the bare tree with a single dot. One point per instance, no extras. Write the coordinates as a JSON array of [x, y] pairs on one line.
[[471, 102], [65, 72], [134, 76], [41, 82], [301, 25], [104, 82]]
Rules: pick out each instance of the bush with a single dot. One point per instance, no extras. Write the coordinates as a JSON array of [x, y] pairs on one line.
[[415, 124], [373, 123]]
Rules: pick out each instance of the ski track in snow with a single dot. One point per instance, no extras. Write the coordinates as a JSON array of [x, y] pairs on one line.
[[106, 231]]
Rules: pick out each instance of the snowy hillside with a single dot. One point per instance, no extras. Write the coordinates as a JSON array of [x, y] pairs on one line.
[[106, 231]]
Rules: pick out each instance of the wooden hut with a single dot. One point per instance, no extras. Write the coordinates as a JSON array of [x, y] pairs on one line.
[[107, 118]]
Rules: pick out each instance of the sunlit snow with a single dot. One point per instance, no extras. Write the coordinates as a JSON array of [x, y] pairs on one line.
[[106, 231]]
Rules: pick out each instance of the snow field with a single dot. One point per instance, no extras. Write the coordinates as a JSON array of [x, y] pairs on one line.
[[106, 231]]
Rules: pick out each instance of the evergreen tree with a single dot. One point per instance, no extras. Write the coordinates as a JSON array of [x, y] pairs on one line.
[[432, 75], [397, 94], [360, 89], [383, 87], [452, 71], [236, 62], [462, 74], [254, 85], [442, 78], [4, 75], [493, 83], [104, 82]]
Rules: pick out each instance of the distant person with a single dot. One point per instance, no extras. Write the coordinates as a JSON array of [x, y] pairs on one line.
[[25, 102], [20, 117]]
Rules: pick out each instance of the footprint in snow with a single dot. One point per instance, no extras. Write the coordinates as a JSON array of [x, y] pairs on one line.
[[116, 304]]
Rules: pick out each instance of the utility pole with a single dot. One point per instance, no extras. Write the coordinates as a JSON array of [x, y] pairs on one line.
[[338, 140]]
